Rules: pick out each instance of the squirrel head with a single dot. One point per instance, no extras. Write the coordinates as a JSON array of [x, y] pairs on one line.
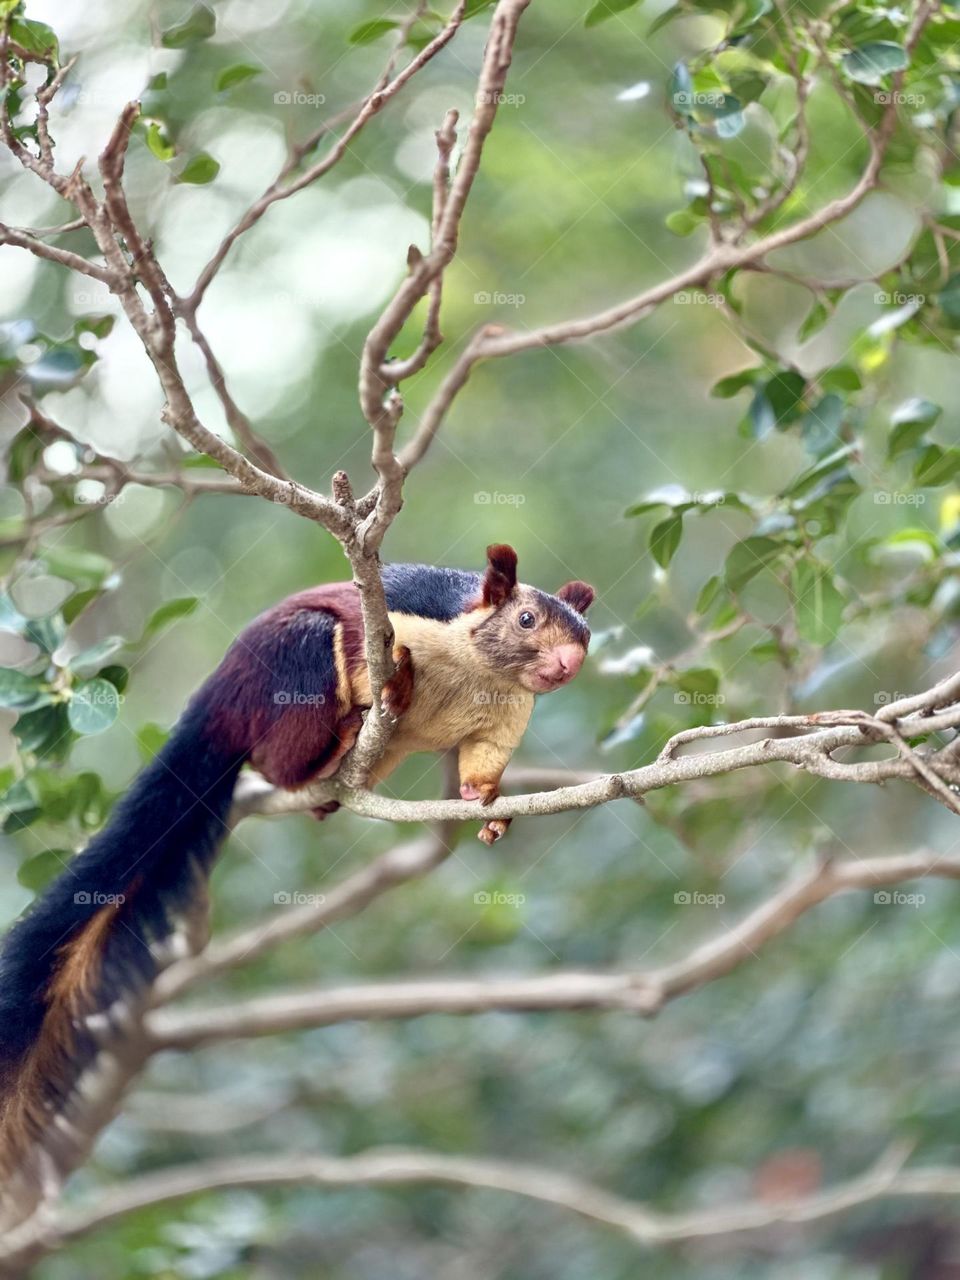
[[540, 640]]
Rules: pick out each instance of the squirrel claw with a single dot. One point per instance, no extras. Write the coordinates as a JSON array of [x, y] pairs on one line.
[[493, 830]]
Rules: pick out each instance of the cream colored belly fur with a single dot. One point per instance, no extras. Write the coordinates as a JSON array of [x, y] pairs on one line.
[[457, 702]]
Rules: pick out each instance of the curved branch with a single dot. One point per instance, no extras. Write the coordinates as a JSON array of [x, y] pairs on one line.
[[812, 748], [636, 992], [887, 1179]]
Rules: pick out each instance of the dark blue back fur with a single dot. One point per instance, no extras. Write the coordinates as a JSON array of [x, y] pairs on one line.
[[429, 591], [155, 850]]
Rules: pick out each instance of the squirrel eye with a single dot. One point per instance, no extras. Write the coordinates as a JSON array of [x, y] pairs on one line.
[[527, 620]]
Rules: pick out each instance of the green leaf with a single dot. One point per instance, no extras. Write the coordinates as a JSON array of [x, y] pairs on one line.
[[682, 222], [200, 169], [784, 391], [948, 299], [150, 738], [168, 612], [85, 568], [936, 466], [910, 423], [22, 692], [118, 675], [681, 90], [821, 424], [19, 806], [665, 538], [734, 382], [99, 326], [36, 38], [700, 680], [159, 142], [78, 602], [708, 593], [747, 558], [89, 661], [237, 74], [200, 25], [93, 707], [834, 464], [46, 633], [605, 9], [367, 32], [818, 605], [660, 21], [870, 62], [45, 732], [37, 872], [840, 378]]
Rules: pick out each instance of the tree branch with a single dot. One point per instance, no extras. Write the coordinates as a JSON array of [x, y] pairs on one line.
[[640, 992], [885, 1180]]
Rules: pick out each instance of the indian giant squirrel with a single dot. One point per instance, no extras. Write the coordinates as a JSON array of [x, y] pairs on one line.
[[288, 698]]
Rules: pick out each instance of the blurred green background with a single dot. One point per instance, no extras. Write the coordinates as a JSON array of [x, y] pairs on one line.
[[800, 1066]]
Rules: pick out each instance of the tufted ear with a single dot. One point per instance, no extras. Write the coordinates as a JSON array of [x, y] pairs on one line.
[[500, 579], [579, 595]]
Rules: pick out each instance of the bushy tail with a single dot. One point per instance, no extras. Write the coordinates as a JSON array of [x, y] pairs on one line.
[[83, 956]]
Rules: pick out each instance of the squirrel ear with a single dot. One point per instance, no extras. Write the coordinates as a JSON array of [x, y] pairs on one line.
[[579, 595], [500, 579]]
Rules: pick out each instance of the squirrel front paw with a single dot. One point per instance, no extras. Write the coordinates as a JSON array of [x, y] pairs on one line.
[[398, 691]]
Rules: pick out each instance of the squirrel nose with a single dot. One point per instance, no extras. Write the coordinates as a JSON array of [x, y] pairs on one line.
[[566, 661]]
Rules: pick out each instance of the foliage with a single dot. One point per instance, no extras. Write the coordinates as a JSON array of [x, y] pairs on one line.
[[762, 479]]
